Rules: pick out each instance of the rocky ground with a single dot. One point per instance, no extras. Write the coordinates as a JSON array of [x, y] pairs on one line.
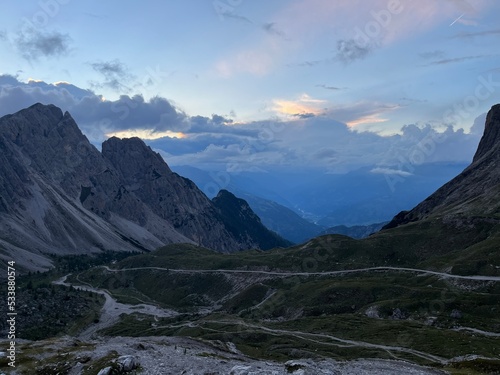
[[175, 355], [184, 356]]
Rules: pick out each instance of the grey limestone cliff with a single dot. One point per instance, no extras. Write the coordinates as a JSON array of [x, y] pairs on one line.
[[60, 195]]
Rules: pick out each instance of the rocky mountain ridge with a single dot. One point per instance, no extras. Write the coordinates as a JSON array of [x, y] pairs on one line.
[[60, 195]]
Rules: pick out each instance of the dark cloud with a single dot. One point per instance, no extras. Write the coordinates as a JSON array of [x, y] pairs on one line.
[[115, 75], [348, 51], [95, 115], [306, 63], [8, 80], [334, 88], [33, 44], [455, 60], [271, 29], [304, 115], [493, 32], [215, 141]]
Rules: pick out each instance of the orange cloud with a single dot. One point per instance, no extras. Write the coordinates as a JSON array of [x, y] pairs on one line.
[[370, 119], [304, 105]]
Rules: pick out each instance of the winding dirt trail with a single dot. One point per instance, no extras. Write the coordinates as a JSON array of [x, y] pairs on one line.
[[111, 311]]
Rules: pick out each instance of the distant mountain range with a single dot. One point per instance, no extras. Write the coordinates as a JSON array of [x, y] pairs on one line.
[[60, 195], [356, 231], [300, 206]]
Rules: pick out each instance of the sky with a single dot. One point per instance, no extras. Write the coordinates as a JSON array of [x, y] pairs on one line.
[[256, 84]]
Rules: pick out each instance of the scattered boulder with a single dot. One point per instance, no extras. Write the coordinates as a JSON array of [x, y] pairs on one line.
[[127, 363], [240, 370], [105, 371], [456, 314], [397, 314], [372, 312]]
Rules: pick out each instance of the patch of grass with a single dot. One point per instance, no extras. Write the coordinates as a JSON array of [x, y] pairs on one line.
[[46, 358], [248, 298], [475, 367]]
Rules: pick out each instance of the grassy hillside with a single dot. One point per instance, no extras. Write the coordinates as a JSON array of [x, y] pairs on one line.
[[456, 247], [373, 314]]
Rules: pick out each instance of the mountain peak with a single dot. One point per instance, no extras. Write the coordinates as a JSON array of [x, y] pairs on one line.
[[132, 154], [491, 136], [236, 213], [46, 109]]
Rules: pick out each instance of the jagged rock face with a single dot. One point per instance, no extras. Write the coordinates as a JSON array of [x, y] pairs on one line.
[[52, 144], [170, 196], [59, 194], [474, 192], [45, 162], [490, 141], [237, 214]]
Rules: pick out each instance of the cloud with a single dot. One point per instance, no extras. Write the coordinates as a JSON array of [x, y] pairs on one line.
[[33, 44], [361, 113], [3, 35], [303, 107], [348, 51], [307, 63], [114, 73], [96, 116], [322, 141], [493, 32], [304, 115], [455, 60], [478, 127], [390, 171], [271, 29], [334, 88]]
